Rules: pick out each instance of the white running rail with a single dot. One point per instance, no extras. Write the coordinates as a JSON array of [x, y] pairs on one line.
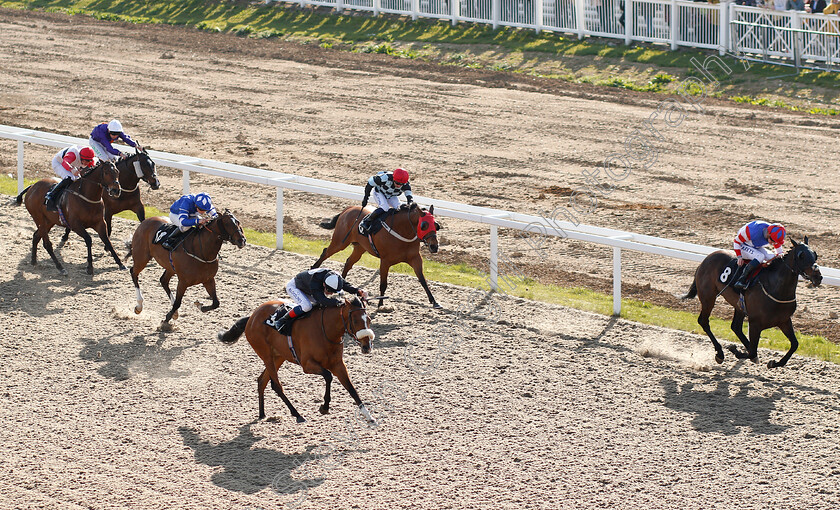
[[495, 218]]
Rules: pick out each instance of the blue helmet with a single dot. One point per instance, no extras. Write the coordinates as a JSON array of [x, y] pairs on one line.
[[203, 202]]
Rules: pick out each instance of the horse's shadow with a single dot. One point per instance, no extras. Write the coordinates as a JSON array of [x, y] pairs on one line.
[[249, 470], [119, 361], [724, 409]]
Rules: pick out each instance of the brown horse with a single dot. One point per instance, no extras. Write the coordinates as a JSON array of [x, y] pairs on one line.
[[318, 347], [136, 167], [82, 208], [194, 261], [396, 242], [770, 301]]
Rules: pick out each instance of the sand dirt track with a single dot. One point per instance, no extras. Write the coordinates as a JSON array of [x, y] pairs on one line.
[[550, 408]]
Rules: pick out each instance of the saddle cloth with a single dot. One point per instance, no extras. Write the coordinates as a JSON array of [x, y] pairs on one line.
[[163, 232], [732, 271]]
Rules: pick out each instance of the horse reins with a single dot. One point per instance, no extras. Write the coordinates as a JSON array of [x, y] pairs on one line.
[[346, 324]]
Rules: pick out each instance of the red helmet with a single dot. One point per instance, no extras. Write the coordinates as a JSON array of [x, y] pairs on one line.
[[776, 233], [400, 176], [86, 153]]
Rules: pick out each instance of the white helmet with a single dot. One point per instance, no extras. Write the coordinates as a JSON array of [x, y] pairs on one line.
[[331, 281], [115, 127]]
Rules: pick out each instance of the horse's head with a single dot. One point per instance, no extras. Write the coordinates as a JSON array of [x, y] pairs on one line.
[[357, 322], [144, 167], [805, 262], [231, 229], [110, 180], [427, 227]]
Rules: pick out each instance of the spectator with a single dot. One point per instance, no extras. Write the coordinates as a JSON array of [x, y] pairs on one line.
[[832, 8], [795, 5], [816, 6]]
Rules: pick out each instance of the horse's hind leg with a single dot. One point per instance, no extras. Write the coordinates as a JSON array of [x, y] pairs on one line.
[[278, 388], [328, 377], [331, 250], [36, 236], [706, 306], [103, 230], [44, 235], [354, 257], [141, 258], [89, 243], [210, 285], [738, 328], [787, 329]]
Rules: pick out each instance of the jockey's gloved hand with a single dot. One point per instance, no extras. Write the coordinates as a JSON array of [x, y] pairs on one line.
[[364, 202]]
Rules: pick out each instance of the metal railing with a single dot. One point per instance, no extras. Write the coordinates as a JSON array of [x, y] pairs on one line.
[[494, 218]]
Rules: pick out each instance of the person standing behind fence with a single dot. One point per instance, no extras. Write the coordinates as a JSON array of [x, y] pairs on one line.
[[106, 134], [816, 6], [795, 5]]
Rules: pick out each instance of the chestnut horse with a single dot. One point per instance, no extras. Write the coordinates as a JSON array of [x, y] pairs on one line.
[[194, 261], [136, 167], [396, 242], [770, 301], [318, 346], [82, 208]]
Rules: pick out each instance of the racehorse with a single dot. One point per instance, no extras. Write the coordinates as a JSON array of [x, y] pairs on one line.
[[316, 344], [136, 167], [396, 242], [768, 303], [80, 206], [195, 260]]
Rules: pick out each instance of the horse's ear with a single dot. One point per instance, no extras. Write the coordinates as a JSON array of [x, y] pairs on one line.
[[431, 209], [795, 243], [805, 241], [437, 226]]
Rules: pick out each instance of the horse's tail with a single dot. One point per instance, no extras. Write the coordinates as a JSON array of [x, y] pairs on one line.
[[19, 198], [329, 225], [232, 335], [127, 255], [692, 292]]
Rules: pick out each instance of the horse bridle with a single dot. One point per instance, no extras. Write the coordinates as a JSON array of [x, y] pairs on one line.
[[796, 270], [346, 323]]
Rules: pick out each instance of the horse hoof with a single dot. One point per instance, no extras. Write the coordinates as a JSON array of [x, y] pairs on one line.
[[300, 419], [719, 358], [437, 306], [771, 364], [754, 360], [198, 305], [138, 309], [324, 409], [165, 326], [62, 272], [89, 271], [174, 316], [123, 268]]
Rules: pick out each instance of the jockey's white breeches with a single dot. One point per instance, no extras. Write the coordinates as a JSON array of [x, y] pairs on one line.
[[176, 220], [101, 152], [299, 296], [59, 169], [386, 203], [752, 253]]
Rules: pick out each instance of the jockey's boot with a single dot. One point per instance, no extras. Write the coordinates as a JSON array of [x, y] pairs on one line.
[[367, 223], [287, 319], [172, 241], [741, 284], [52, 196]]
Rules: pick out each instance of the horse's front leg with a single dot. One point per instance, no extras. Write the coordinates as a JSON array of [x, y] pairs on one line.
[[64, 239], [417, 264], [88, 243], [164, 282], [102, 229], [328, 377], [339, 369], [787, 329], [210, 285], [751, 352], [179, 296]]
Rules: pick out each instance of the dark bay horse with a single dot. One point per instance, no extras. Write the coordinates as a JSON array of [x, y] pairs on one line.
[[82, 207], [318, 347], [194, 261], [396, 242], [133, 169], [770, 300]]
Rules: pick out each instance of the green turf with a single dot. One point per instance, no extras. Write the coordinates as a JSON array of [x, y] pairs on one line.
[[581, 299], [363, 32]]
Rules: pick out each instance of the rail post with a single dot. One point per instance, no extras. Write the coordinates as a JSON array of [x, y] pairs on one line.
[[185, 181], [616, 281], [494, 257], [20, 166], [279, 218]]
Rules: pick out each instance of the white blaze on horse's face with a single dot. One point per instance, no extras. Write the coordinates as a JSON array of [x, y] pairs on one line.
[[365, 333]]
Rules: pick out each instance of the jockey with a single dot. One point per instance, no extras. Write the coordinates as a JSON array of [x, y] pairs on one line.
[[187, 212], [386, 187], [104, 135], [754, 243], [68, 164], [311, 287]]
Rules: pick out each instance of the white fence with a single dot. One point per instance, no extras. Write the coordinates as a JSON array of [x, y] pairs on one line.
[[495, 218], [788, 36]]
